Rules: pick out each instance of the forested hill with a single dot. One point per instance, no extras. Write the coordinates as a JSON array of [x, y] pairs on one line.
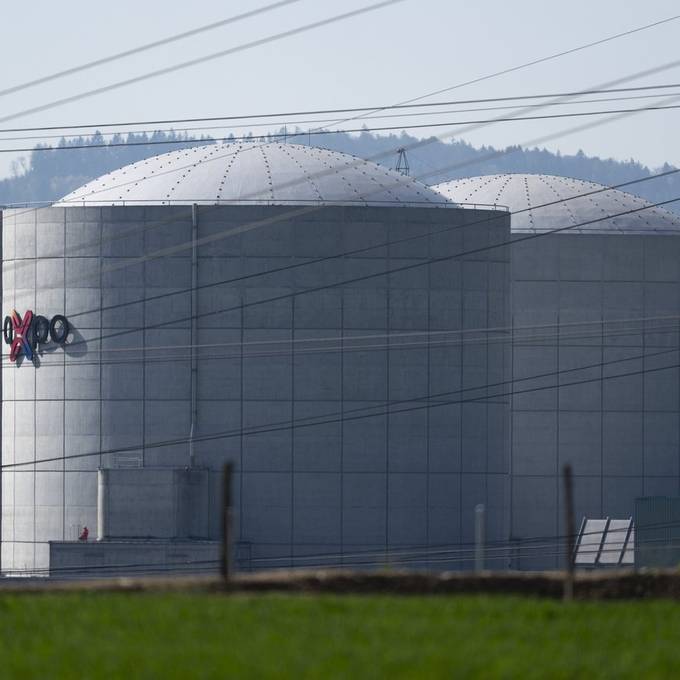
[[47, 175]]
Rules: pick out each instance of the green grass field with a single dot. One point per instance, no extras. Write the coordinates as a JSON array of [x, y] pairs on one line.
[[213, 636]]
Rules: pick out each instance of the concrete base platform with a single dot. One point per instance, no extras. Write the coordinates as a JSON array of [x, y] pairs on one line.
[[132, 557]]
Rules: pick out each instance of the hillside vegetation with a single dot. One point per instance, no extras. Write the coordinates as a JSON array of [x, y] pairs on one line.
[[49, 174]]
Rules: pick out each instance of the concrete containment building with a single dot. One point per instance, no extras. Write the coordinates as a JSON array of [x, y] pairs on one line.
[[596, 351], [230, 303]]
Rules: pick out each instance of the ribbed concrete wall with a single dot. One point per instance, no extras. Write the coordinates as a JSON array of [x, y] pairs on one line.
[[603, 302], [388, 481]]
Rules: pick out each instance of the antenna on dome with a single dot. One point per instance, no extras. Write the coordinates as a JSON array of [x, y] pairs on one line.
[[402, 162]]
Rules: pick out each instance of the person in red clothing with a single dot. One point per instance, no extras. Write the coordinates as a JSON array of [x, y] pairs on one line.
[[85, 533]]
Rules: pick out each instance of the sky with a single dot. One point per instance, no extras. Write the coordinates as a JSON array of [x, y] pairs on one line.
[[393, 54]]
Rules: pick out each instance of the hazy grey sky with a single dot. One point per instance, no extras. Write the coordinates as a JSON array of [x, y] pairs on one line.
[[380, 58]]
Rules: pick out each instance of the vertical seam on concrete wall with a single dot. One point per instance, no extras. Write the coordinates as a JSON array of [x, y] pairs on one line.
[[242, 406], [602, 359], [558, 457], [487, 403], [511, 424], [461, 386], [643, 377], [509, 372], [35, 403], [100, 228], [342, 425], [14, 402], [63, 409], [429, 392], [602, 244], [388, 300], [145, 243], [194, 333], [292, 431]]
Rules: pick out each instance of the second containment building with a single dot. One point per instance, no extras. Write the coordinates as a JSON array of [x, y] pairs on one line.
[[310, 317], [595, 350]]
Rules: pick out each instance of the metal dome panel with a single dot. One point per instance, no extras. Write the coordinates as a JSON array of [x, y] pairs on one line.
[[254, 173], [541, 203]]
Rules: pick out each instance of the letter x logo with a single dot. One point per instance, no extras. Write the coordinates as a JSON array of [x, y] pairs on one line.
[[21, 340]]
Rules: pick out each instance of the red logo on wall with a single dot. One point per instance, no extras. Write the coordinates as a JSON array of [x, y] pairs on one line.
[[24, 335]]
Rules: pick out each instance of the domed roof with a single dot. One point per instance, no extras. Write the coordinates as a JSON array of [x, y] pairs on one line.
[[254, 173], [541, 203]]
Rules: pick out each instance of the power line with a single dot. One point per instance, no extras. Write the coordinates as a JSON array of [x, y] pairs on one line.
[[477, 126], [531, 547], [200, 60], [349, 343], [429, 94], [646, 72], [425, 142], [383, 128], [140, 567], [459, 165], [348, 253], [571, 226], [385, 553], [513, 548], [540, 60], [523, 334], [377, 557], [145, 48], [310, 112], [383, 410], [531, 542], [500, 153], [356, 251], [391, 270], [204, 138]]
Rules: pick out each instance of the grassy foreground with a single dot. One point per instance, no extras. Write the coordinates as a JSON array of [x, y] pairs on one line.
[[212, 636]]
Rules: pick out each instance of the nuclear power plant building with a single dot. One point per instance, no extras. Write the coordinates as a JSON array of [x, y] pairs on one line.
[[314, 319], [595, 350]]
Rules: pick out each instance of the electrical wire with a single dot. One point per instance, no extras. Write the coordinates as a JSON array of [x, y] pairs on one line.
[[541, 60], [495, 154], [144, 48], [307, 262], [291, 424], [375, 557], [355, 343], [619, 81], [199, 60], [512, 547], [534, 547], [311, 112], [241, 306], [360, 161], [364, 128], [376, 157], [202, 139], [390, 270]]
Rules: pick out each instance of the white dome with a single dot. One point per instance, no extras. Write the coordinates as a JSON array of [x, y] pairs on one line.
[[254, 173], [525, 194]]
